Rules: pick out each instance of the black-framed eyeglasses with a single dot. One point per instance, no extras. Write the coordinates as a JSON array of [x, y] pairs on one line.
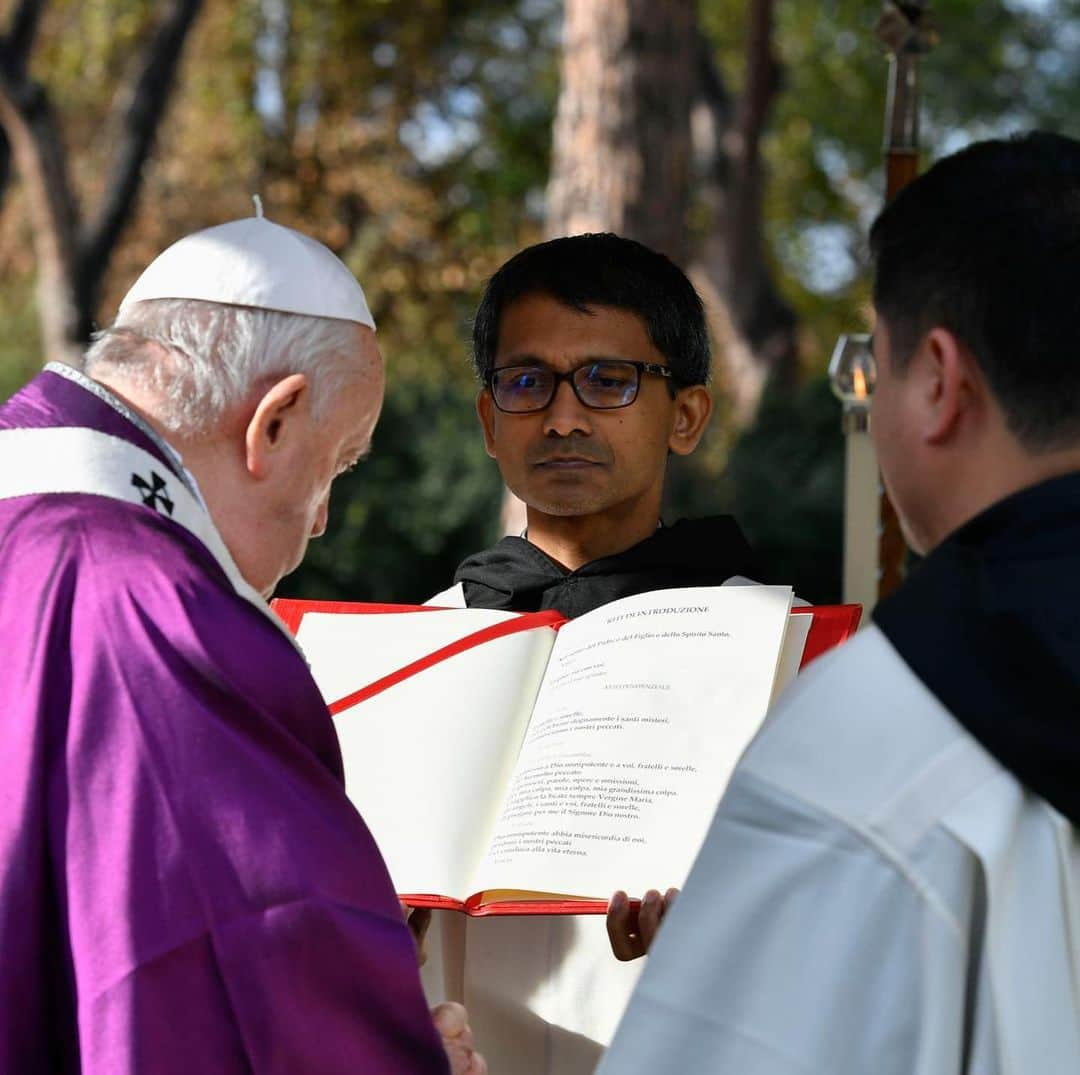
[[603, 384]]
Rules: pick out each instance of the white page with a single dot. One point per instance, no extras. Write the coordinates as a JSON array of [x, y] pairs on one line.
[[791, 654], [647, 705], [347, 651], [425, 760]]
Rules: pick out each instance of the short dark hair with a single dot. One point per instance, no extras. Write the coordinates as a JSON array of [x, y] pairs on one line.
[[602, 270], [987, 245]]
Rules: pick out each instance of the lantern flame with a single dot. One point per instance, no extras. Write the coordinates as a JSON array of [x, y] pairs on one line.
[[858, 379]]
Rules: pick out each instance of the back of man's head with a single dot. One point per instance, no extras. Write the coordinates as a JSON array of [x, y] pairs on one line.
[[987, 245], [251, 348], [227, 311], [201, 360], [602, 270]]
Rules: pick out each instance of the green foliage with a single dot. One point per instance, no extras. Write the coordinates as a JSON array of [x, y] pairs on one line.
[[786, 480], [20, 346], [783, 481], [997, 68]]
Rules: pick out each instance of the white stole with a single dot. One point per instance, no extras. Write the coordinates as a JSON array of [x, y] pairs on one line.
[[36, 462]]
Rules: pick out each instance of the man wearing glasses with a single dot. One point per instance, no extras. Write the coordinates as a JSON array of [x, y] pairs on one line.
[[593, 353]]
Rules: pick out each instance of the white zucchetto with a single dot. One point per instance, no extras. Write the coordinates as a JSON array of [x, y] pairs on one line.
[[254, 262]]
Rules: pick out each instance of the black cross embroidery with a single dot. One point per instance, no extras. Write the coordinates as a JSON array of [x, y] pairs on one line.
[[155, 493]]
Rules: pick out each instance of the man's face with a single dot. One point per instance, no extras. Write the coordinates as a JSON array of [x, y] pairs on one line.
[[569, 459], [334, 441]]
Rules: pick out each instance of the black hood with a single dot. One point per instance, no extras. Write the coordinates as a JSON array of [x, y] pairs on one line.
[[990, 622], [516, 575]]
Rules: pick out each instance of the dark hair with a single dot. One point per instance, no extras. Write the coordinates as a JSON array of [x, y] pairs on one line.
[[602, 270], [987, 245]]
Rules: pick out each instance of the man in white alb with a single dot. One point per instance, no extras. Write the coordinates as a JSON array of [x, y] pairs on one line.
[[892, 881]]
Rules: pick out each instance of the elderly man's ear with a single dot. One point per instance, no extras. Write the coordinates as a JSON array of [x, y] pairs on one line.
[[281, 416], [693, 408]]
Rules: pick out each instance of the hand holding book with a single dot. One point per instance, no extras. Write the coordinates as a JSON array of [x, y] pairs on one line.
[[632, 925]]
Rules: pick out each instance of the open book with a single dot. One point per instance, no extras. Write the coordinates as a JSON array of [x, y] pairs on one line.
[[524, 764]]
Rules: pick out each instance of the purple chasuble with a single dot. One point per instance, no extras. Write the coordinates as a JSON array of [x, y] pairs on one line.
[[184, 886]]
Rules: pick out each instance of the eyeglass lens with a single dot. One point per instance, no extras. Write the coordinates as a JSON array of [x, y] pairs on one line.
[[603, 385]]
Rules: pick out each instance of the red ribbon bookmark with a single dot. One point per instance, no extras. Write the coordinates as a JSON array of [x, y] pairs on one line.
[[526, 622]]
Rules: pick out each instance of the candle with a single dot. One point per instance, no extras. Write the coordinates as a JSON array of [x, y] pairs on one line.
[[852, 374]]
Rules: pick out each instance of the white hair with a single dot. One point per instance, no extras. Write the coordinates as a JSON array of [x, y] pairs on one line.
[[203, 359]]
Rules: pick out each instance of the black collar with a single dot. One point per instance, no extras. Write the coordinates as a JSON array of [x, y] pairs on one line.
[[990, 622], [516, 575]]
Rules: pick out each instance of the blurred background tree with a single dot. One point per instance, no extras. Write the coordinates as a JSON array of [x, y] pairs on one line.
[[416, 139]]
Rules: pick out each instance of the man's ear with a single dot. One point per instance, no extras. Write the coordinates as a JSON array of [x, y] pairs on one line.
[[485, 411], [693, 408], [948, 385], [279, 415]]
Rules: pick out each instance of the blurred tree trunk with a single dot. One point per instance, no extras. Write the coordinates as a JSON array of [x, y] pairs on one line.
[[73, 250], [756, 329], [621, 153], [634, 73]]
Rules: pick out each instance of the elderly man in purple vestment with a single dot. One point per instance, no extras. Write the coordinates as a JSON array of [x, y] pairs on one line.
[[184, 886]]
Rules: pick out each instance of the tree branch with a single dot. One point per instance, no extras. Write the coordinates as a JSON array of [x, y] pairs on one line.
[[15, 48], [147, 103], [713, 94], [765, 316], [18, 43], [754, 325], [37, 146], [762, 79]]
